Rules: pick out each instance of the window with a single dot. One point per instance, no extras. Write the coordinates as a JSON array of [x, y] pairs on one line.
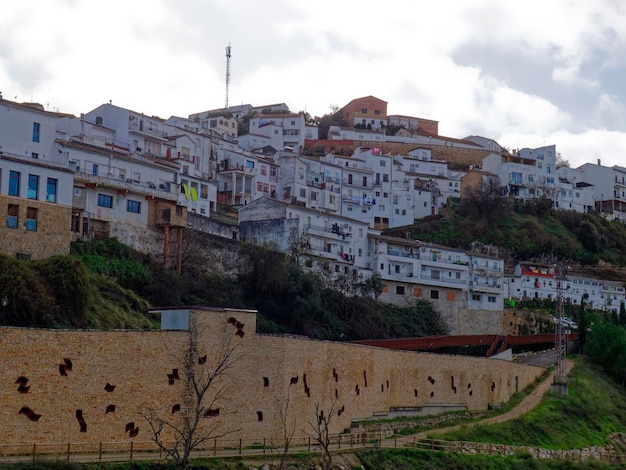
[[31, 219], [530, 178], [94, 169], [34, 156], [382, 162], [476, 297], [313, 196], [36, 131], [516, 178], [14, 183], [263, 170], [12, 215], [33, 187], [363, 110], [435, 274], [302, 192], [491, 299], [133, 206], [259, 186], [105, 200], [249, 164], [385, 178], [400, 290], [377, 112], [550, 180], [434, 294]]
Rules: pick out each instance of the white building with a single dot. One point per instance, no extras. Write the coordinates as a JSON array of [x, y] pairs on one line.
[[338, 240], [539, 281], [466, 287], [113, 187], [35, 184], [609, 184], [573, 192], [526, 174], [284, 131]]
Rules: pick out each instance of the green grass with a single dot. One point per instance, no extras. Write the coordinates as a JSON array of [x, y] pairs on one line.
[[594, 408], [409, 459]]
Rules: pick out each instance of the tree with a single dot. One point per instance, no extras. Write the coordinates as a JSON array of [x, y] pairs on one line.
[[205, 380], [299, 245], [288, 429], [484, 201], [320, 431], [622, 314]]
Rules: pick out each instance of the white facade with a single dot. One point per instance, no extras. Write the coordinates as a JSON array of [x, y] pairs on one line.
[[573, 192], [441, 274], [609, 185], [527, 174], [340, 241], [537, 281], [110, 183], [285, 131]]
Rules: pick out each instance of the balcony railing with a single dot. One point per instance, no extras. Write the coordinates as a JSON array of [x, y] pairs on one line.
[[162, 191]]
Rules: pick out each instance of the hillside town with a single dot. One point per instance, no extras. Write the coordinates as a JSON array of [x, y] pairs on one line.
[[327, 194]]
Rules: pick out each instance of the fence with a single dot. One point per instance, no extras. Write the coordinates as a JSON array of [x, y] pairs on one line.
[[148, 450]]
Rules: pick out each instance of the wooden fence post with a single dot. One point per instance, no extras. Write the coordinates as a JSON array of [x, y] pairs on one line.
[[68, 451], [131, 451]]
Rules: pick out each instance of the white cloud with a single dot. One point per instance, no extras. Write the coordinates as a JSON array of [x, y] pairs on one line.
[[166, 57]]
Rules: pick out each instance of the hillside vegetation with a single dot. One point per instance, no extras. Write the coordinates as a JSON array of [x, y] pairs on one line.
[[109, 285], [525, 231]]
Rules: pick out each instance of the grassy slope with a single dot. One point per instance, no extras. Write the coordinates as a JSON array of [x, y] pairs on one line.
[[594, 408]]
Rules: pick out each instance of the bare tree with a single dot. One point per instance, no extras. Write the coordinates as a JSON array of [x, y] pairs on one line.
[[287, 421], [320, 431], [205, 380]]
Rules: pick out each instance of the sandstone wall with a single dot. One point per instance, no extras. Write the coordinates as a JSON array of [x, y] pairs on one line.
[[57, 374]]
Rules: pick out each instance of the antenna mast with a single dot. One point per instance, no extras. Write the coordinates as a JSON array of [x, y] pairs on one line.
[[227, 73]]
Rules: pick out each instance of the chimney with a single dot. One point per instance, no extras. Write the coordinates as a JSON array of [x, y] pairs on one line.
[[599, 162]]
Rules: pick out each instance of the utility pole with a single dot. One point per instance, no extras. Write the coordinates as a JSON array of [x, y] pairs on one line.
[[559, 384]]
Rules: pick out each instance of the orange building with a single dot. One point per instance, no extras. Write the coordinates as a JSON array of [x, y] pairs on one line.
[[368, 112]]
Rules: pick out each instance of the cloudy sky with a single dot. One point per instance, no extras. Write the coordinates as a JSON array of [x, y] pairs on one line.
[[527, 73]]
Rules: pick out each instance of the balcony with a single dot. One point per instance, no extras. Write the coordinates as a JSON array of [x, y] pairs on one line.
[[146, 188], [316, 184], [359, 183], [410, 253], [484, 286], [237, 168], [335, 231], [138, 126], [441, 281], [363, 201]]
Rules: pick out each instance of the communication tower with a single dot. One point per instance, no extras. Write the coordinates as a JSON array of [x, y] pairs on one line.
[[227, 73]]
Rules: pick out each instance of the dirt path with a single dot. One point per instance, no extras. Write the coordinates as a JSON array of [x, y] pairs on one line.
[[527, 403]]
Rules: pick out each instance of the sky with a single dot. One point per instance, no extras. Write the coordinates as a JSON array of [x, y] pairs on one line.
[[526, 74]]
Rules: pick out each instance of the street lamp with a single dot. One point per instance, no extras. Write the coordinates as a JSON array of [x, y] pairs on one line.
[[5, 301]]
